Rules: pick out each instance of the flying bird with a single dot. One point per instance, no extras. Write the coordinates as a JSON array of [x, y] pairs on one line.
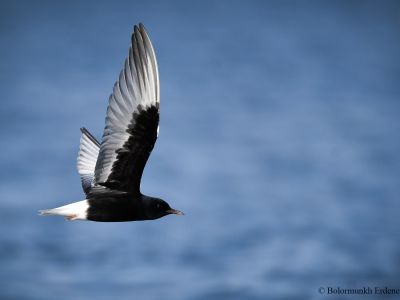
[[111, 171]]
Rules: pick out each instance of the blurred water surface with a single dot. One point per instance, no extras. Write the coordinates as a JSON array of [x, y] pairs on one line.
[[279, 140]]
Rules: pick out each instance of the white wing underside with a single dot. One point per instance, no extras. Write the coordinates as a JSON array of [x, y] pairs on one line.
[[87, 157], [138, 85]]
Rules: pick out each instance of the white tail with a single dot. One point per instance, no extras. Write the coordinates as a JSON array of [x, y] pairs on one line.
[[73, 211]]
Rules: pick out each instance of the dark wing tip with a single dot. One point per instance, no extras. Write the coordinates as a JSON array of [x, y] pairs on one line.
[[135, 34], [136, 29], [90, 136], [139, 29], [143, 32]]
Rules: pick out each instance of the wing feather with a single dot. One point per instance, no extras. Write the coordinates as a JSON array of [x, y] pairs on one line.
[[132, 118], [87, 157]]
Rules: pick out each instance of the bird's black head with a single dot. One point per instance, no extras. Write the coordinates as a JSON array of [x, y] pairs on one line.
[[158, 208]]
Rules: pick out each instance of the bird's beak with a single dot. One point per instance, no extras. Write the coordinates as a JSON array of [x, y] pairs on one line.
[[175, 212]]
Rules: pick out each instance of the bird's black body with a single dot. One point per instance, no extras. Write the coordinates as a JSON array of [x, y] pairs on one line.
[[122, 200], [126, 207]]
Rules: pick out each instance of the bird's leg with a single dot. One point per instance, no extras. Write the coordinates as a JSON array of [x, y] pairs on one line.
[[71, 217]]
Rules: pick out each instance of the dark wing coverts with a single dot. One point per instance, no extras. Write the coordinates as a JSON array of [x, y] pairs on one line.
[[132, 119]]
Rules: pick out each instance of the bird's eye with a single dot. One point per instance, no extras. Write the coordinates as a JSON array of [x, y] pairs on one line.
[[158, 205]]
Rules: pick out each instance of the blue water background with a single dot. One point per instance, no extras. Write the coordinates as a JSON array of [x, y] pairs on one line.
[[279, 139]]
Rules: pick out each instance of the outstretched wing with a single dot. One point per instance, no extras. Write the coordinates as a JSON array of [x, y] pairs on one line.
[[87, 157], [132, 119]]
